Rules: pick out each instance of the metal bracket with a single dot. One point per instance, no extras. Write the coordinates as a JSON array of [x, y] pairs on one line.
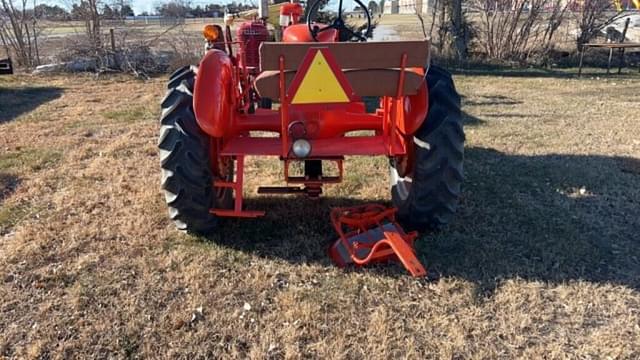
[[370, 233], [237, 190]]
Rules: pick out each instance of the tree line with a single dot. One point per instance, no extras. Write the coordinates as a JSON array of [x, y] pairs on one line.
[[122, 9]]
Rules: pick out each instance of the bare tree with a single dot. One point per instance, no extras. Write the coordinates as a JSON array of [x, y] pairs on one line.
[[92, 21], [554, 20], [452, 27], [19, 31], [418, 13], [434, 13], [592, 17], [458, 33]]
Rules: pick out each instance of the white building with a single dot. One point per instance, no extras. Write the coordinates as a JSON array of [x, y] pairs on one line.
[[406, 6], [390, 7]]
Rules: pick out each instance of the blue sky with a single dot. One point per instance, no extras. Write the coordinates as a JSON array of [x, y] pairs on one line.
[[142, 5]]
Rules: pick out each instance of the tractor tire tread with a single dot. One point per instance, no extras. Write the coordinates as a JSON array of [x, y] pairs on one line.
[[184, 158], [438, 173]]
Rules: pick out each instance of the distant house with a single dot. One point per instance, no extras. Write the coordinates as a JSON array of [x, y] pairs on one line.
[[390, 7], [407, 6]]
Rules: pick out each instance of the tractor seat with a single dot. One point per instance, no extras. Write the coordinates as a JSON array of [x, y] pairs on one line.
[[372, 68]]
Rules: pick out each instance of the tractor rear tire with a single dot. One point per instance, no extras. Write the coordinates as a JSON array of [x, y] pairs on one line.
[[184, 157], [184, 73], [426, 185]]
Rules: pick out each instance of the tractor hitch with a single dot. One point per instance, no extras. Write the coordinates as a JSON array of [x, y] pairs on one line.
[[311, 191], [311, 181]]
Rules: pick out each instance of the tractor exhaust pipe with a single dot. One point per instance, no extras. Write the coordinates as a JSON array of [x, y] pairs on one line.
[[263, 9]]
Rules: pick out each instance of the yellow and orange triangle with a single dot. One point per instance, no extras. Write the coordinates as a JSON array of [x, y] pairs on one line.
[[320, 84]]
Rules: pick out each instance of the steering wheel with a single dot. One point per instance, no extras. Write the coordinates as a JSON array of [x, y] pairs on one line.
[[338, 23]]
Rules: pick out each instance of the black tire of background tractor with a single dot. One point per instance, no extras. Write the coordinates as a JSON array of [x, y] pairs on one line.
[[430, 200], [184, 158]]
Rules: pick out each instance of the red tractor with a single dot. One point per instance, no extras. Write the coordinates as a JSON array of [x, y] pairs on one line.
[[309, 92]]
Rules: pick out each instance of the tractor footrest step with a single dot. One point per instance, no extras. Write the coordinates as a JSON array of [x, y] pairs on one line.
[[280, 190], [310, 191], [370, 234], [237, 213]]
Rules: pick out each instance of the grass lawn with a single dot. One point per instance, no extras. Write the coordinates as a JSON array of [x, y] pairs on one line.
[[542, 260]]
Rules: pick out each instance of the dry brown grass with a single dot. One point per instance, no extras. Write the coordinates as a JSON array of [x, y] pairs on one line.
[[543, 260]]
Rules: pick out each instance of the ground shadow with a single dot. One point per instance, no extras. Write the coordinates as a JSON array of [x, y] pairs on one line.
[[471, 120], [294, 228], [491, 100], [550, 217], [542, 72], [15, 102], [483, 100], [8, 185]]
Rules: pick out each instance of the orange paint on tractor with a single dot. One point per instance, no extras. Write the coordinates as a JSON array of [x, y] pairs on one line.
[[251, 35], [300, 33], [215, 99], [290, 13], [317, 106], [414, 111]]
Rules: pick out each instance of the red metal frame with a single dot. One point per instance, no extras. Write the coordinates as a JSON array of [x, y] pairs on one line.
[[370, 233], [284, 110], [237, 187], [325, 124]]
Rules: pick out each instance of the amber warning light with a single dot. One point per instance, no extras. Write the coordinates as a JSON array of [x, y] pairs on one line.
[[211, 32]]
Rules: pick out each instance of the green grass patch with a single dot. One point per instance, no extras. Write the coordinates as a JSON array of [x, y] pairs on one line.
[[30, 159], [129, 115], [10, 215]]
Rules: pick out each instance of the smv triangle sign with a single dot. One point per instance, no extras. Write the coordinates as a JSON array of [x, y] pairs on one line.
[[319, 80]]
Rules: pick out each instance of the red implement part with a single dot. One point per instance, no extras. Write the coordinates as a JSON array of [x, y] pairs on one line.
[[370, 233], [237, 210]]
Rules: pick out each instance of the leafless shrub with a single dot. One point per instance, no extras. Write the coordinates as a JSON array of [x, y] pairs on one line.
[[133, 51], [19, 32], [184, 48], [86, 49], [516, 29], [554, 19]]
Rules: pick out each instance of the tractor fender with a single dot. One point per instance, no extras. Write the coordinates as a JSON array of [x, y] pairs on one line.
[[213, 98], [415, 110]]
